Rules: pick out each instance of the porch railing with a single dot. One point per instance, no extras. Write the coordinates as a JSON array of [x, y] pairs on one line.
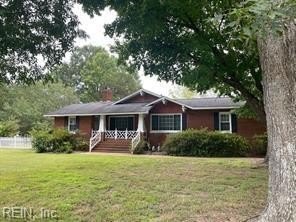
[[119, 134], [96, 137], [136, 140]]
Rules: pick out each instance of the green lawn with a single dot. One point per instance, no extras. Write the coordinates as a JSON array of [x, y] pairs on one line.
[[83, 187]]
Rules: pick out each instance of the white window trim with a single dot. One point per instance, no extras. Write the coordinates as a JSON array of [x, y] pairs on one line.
[[165, 131], [230, 123], [72, 117]]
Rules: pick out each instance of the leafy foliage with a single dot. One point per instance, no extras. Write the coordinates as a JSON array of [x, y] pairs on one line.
[[141, 147], [28, 104], [205, 143], [188, 42], [181, 92], [9, 128], [92, 69], [255, 18], [34, 33], [259, 145], [57, 141]]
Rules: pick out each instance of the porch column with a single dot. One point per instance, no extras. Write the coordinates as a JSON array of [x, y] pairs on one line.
[[102, 127], [141, 125]]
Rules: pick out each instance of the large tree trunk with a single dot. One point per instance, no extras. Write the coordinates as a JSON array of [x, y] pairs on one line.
[[278, 62]]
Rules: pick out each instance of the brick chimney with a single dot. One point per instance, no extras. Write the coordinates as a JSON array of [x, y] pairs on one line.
[[107, 94]]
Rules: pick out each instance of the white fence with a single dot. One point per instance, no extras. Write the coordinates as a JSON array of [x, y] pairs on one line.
[[16, 142]]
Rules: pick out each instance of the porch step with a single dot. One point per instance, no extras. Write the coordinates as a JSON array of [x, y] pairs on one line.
[[113, 146], [110, 150]]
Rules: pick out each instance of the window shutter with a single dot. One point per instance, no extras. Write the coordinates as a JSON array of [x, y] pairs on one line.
[[184, 121], [234, 123], [66, 122], [216, 120], [77, 122], [93, 122], [155, 123]]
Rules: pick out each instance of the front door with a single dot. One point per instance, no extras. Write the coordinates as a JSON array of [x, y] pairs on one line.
[[121, 123]]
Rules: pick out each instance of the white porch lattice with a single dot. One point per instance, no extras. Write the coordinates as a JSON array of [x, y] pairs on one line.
[[119, 134]]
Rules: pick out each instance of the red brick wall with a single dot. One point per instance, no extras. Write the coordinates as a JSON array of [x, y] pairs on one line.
[[200, 119], [249, 127], [141, 99], [156, 139], [85, 125], [59, 122], [205, 119]]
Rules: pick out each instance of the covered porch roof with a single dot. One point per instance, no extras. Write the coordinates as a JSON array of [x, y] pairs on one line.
[[101, 108]]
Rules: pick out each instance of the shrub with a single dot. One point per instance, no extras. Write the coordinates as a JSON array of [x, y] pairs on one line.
[[9, 128], [56, 140], [141, 147], [80, 143], [203, 143], [259, 145]]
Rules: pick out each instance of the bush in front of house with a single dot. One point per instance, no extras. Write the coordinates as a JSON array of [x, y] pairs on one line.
[[140, 148], [203, 143], [56, 140], [80, 143], [258, 145]]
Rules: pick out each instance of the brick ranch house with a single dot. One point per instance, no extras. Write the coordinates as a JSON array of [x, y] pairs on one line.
[[114, 126]]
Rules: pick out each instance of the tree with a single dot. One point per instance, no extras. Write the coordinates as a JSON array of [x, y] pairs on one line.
[[187, 42], [181, 92], [34, 36], [92, 69], [69, 73], [9, 128], [273, 25], [28, 104]]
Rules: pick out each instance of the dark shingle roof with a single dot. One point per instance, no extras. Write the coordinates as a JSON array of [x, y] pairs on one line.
[[126, 108], [100, 108], [214, 102], [97, 108]]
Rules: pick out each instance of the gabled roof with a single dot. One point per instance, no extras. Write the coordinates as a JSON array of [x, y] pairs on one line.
[[202, 103], [210, 103], [100, 108], [140, 91], [104, 108], [80, 109], [168, 99]]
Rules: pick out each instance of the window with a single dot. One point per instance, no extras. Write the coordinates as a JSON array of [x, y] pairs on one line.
[[225, 122], [72, 126], [166, 122], [121, 123], [96, 124]]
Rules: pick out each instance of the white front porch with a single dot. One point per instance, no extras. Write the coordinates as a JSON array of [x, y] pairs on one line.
[[118, 127]]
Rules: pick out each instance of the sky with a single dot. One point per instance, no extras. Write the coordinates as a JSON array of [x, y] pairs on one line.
[[94, 27]]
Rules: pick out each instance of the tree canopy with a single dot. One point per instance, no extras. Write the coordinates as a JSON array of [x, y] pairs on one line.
[[92, 69], [34, 37], [189, 42], [26, 105]]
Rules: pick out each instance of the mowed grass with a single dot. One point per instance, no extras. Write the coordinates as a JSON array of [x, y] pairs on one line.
[[82, 187]]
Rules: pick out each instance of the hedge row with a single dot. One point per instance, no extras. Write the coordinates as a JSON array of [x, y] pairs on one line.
[[203, 143], [57, 141]]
